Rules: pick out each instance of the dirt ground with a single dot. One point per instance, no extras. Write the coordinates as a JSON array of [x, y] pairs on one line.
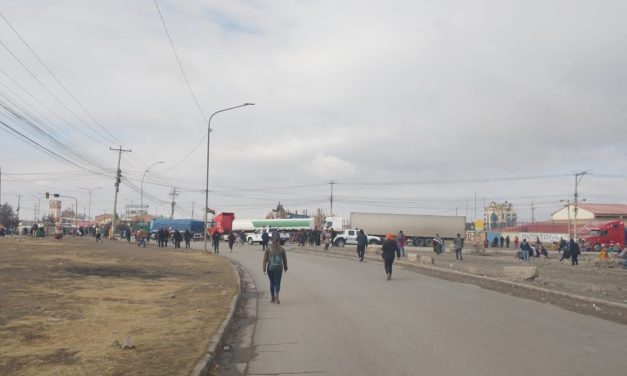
[[68, 307], [605, 281]]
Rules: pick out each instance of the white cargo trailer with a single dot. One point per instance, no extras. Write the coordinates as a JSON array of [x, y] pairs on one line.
[[419, 229]]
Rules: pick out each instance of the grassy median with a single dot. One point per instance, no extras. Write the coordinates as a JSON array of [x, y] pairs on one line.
[[75, 307]]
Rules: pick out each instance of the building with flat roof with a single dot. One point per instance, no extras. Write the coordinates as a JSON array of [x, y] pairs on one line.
[[587, 212]]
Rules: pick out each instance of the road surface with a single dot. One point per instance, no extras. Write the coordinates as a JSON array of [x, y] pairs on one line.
[[342, 317]]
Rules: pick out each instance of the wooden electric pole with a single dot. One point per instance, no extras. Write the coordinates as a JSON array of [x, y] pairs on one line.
[[118, 179]]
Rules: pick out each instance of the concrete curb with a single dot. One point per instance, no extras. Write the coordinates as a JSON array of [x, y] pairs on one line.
[[217, 341], [491, 279]]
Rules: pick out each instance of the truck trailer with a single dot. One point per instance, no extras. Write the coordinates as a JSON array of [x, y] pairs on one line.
[[177, 224], [419, 229], [285, 224]]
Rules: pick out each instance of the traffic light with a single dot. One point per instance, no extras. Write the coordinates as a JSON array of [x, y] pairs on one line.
[[47, 195]]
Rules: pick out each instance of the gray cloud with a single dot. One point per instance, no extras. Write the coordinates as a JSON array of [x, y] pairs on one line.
[[363, 91]]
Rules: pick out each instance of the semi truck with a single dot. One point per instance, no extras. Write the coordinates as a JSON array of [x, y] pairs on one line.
[[611, 232], [419, 229], [221, 223]]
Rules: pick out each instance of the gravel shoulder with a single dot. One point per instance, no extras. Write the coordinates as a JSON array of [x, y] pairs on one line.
[[69, 307]]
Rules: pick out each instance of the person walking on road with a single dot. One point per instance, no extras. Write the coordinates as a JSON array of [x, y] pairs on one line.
[[400, 242], [187, 235], [389, 248], [264, 239], [231, 241], [459, 245], [176, 238], [274, 263], [160, 236], [215, 237], [98, 234], [141, 235], [574, 252], [507, 241], [362, 241], [326, 239]]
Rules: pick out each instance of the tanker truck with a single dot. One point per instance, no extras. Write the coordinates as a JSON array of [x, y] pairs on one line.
[[419, 229]]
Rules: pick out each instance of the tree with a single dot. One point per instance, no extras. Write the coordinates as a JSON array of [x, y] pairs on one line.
[[8, 218]]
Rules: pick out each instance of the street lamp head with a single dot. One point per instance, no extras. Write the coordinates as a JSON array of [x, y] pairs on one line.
[[156, 163], [249, 104]]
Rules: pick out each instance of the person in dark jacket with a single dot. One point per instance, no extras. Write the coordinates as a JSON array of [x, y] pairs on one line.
[[264, 239], [161, 237], [389, 248], [215, 237], [459, 245], [188, 237], [176, 238], [231, 241], [362, 241], [526, 249], [574, 252]]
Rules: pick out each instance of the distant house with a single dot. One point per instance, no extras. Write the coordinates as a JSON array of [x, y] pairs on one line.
[[500, 215], [591, 212], [103, 219]]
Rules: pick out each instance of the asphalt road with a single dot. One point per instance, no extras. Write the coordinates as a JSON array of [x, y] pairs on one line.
[[342, 317]]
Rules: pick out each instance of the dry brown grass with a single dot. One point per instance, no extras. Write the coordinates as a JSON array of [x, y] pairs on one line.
[[64, 304]]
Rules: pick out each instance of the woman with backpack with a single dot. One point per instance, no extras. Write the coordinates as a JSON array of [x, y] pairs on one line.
[[274, 263]]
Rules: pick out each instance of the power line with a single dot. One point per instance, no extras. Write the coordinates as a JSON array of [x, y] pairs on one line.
[[40, 146], [178, 60], [60, 145], [53, 95], [455, 181], [57, 79]]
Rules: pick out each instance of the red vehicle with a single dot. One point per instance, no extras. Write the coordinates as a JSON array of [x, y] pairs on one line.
[[222, 223], [612, 232]]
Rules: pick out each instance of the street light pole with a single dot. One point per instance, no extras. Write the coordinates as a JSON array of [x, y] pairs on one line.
[[89, 210], [207, 180], [141, 201]]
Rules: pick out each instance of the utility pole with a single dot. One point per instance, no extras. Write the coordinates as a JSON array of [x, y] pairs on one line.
[[332, 183], [568, 207], [193, 203], [475, 206], [19, 197], [533, 212], [118, 179], [174, 195], [578, 177], [0, 186]]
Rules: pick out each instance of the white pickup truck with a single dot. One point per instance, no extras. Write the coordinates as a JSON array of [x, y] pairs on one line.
[[255, 237], [350, 237]]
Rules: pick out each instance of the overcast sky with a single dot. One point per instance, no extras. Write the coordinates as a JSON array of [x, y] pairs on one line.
[[410, 106]]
